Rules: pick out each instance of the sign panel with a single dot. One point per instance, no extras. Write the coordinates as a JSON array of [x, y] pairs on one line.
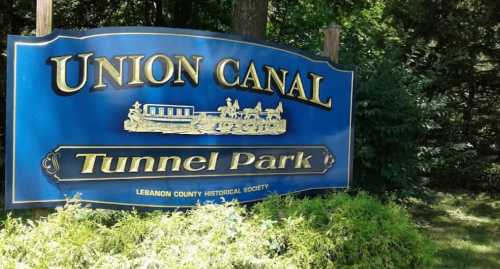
[[156, 117]]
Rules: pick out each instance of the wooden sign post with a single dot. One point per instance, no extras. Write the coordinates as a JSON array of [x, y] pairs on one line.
[[43, 27], [43, 17], [331, 44]]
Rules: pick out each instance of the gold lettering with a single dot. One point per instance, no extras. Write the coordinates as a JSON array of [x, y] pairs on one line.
[[285, 158], [61, 82], [298, 87], [266, 162], [120, 166], [136, 162], [168, 69], [195, 160], [136, 70], [103, 64], [252, 76], [162, 163], [220, 72], [279, 82], [316, 79], [212, 162], [184, 64], [89, 162], [301, 162], [235, 161]]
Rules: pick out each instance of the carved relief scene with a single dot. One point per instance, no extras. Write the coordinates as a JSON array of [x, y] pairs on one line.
[[228, 119]]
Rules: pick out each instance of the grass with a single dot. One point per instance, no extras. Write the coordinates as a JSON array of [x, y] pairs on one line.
[[465, 228]]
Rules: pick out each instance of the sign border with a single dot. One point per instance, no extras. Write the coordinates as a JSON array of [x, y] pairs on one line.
[[10, 134]]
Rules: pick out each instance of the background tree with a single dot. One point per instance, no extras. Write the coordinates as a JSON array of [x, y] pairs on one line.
[[427, 100], [250, 18], [388, 121], [453, 47], [213, 15]]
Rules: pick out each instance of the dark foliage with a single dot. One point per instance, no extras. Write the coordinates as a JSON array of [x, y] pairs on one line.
[[453, 46], [387, 121], [427, 101]]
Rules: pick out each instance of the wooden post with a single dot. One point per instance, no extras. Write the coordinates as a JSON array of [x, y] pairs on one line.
[[331, 45], [43, 27], [43, 17]]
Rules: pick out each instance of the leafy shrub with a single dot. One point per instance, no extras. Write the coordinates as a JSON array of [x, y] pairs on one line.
[[332, 232], [340, 231], [210, 236], [388, 124]]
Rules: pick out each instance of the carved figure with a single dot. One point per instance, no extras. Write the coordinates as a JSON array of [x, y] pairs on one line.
[[252, 113], [274, 114]]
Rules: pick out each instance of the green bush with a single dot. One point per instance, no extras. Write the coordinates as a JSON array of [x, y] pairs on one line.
[[388, 124], [210, 236], [340, 231], [337, 231], [388, 121]]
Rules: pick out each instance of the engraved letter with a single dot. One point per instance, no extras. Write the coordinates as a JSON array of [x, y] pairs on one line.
[[220, 72], [195, 160], [103, 64], [162, 163], [284, 159], [316, 79], [252, 76], [301, 162], [235, 161], [266, 162], [61, 83], [212, 161], [120, 166], [279, 82], [184, 64], [168, 68], [136, 70], [89, 162], [298, 87], [136, 162]]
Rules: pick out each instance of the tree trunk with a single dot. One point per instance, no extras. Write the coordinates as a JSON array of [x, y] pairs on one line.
[[159, 21], [250, 18], [182, 13], [147, 18], [43, 27]]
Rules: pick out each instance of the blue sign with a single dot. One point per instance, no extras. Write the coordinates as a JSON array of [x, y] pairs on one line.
[[156, 117]]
